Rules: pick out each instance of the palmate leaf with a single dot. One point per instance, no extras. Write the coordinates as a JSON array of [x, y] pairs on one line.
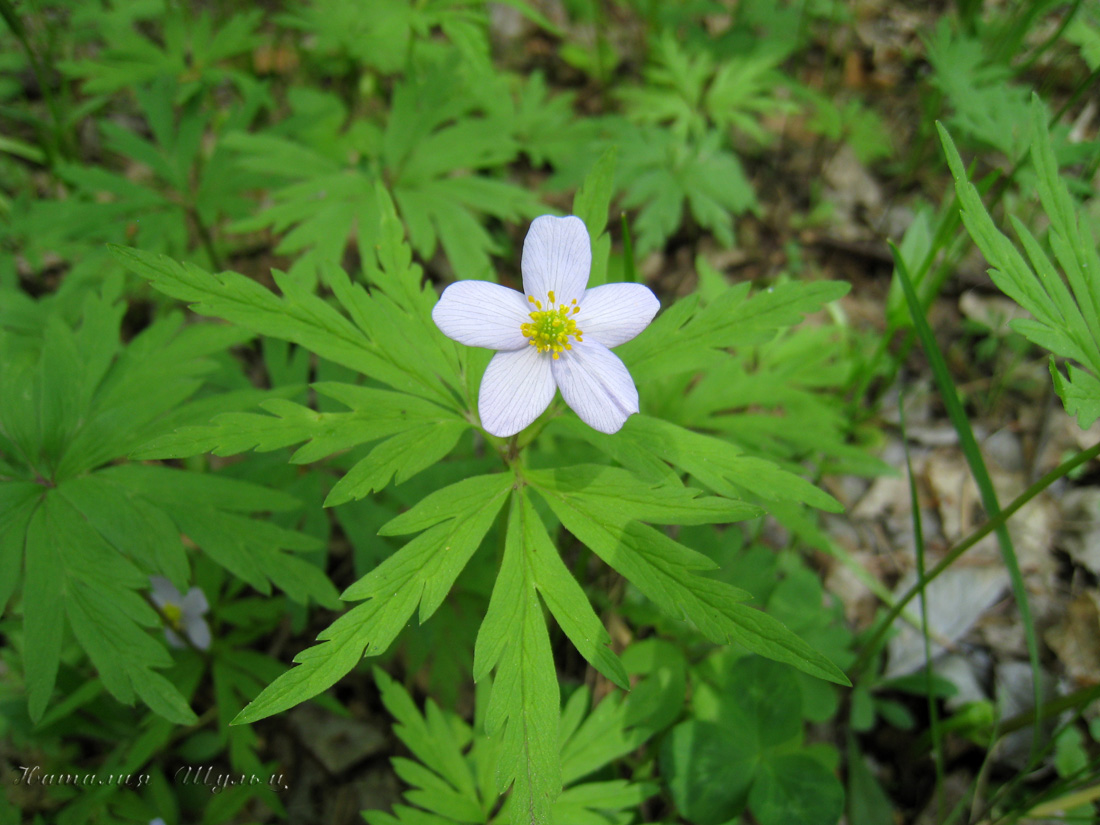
[[303, 318], [666, 572], [70, 566], [452, 779], [387, 334], [444, 138], [1066, 319], [782, 400], [192, 47], [420, 573], [690, 338], [104, 534], [663, 173], [988, 107], [88, 532], [524, 704], [415, 434], [711, 461]]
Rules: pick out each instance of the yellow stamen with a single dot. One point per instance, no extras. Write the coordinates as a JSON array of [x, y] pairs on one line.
[[550, 330], [174, 614]]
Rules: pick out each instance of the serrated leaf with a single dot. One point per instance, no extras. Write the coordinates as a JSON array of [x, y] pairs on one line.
[[429, 737], [96, 587], [422, 572], [665, 571], [687, 341], [400, 457], [299, 316], [447, 503], [1066, 318], [569, 604], [721, 465], [524, 703], [618, 496]]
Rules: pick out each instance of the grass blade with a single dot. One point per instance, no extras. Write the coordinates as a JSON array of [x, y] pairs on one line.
[[974, 459]]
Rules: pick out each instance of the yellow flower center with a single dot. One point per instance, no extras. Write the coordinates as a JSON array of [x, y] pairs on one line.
[[550, 329], [174, 614]]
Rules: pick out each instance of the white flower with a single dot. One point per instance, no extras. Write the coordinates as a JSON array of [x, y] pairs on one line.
[[556, 335], [184, 613]]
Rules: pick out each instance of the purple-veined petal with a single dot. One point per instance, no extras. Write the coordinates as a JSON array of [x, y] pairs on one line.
[[596, 384], [194, 604], [612, 314], [198, 631], [557, 257], [482, 314], [516, 388], [164, 592]]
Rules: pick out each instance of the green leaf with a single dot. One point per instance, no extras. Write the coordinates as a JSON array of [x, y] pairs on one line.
[[18, 501], [569, 604], [43, 591], [524, 704], [657, 699], [400, 457], [94, 586], [595, 741], [617, 496], [422, 572], [687, 339], [299, 316], [721, 465], [137, 529], [591, 205], [447, 503], [1066, 318], [593, 198], [867, 802], [796, 789], [666, 572], [709, 770], [432, 739]]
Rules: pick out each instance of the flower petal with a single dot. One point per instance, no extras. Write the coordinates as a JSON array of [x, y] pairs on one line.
[[612, 314], [198, 631], [194, 604], [164, 592], [482, 314], [557, 256], [596, 384], [516, 388]]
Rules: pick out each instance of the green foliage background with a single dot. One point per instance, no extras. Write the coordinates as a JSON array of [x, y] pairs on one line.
[[222, 231]]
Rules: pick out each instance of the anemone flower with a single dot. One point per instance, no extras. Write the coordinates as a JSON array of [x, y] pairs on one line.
[[555, 335], [184, 613]]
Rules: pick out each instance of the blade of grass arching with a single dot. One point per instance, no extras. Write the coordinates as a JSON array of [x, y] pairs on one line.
[[871, 646], [973, 455], [918, 541], [630, 272]]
